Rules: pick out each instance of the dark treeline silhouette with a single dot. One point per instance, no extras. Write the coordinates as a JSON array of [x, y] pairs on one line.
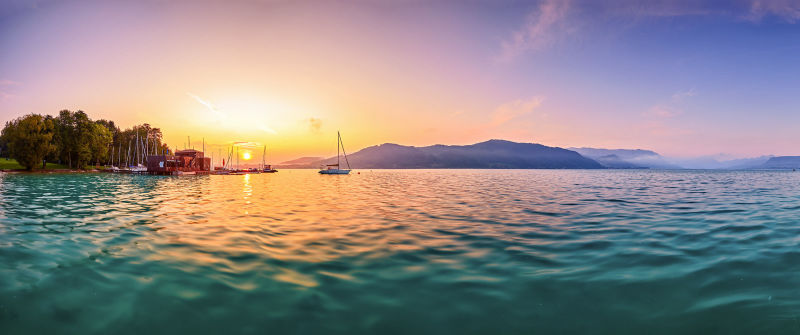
[[75, 140]]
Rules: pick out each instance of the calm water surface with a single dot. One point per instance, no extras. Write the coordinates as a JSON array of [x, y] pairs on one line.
[[406, 252]]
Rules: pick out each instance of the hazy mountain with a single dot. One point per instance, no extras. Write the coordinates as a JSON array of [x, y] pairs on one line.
[[746, 163], [303, 160], [500, 154], [782, 162], [299, 163], [714, 162], [627, 158], [615, 162], [493, 154]]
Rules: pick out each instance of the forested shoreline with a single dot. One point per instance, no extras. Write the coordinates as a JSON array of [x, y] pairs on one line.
[[75, 140]]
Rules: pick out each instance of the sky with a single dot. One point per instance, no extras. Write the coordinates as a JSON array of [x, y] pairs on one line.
[[683, 78]]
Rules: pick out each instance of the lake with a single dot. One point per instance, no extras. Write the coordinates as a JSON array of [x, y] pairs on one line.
[[402, 252]]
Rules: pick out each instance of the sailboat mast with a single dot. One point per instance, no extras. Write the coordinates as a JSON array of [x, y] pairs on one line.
[[338, 140], [344, 152]]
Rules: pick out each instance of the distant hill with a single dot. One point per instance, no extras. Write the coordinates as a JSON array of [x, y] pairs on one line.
[[638, 158], [493, 154], [627, 158], [615, 162], [302, 160], [746, 163], [782, 162], [720, 162]]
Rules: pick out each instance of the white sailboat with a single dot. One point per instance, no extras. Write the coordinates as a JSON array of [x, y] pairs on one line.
[[335, 168]]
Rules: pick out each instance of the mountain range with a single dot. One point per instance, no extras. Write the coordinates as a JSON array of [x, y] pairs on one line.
[[782, 162], [493, 154], [627, 158], [501, 154]]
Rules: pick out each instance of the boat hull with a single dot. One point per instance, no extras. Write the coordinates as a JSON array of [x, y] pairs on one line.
[[334, 171]]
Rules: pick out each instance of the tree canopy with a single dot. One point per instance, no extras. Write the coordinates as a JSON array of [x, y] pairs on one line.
[[72, 138], [29, 139], [80, 141]]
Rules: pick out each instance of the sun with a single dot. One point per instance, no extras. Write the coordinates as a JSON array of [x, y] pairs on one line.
[[246, 156]]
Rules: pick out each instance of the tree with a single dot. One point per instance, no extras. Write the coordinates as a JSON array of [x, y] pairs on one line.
[[79, 141], [29, 139], [3, 147], [64, 137], [101, 139], [84, 132]]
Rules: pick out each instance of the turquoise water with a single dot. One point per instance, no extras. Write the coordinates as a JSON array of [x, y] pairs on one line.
[[402, 252]]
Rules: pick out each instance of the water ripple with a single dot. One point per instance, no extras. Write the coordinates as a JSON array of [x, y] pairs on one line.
[[440, 251]]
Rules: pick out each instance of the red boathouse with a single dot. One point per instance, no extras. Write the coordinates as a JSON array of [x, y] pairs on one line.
[[187, 161]]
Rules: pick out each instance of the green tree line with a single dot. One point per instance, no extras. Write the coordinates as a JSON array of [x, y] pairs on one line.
[[75, 140]]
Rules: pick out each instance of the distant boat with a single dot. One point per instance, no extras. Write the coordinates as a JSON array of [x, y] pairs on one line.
[[264, 167], [139, 168], [245, 171], [334, 168]]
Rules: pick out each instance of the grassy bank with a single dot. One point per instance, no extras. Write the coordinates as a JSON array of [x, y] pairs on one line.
[[11, 164]]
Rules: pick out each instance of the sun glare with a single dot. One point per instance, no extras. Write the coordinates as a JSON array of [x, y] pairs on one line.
[[246, 156]]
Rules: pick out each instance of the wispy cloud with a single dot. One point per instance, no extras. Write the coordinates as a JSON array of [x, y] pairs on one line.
[[264, 128], [211, 108], [231, 119], [514, 109], [552, 21], [752, 10], [542, 27], [5, 88], [788, 10], [664, 111], [661, 128], [680, 96], [246, 144], [314, 125], [671, 108]]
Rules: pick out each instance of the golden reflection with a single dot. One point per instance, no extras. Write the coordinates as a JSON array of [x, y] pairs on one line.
[[247, 188], [294, 216]]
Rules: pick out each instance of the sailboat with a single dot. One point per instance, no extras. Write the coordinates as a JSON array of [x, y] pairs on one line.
[[264, 167], [334, 168]]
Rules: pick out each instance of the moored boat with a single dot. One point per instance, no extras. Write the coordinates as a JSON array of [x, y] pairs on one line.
[[264, 167], [336, 168]]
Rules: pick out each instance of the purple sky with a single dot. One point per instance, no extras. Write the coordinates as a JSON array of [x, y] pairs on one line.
[[683, 78]]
